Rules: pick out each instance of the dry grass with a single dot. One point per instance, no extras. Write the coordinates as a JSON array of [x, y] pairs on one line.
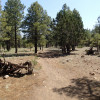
[[14, 88]]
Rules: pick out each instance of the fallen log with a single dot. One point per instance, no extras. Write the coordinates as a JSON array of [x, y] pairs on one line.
[[90, 51], [11, 68]]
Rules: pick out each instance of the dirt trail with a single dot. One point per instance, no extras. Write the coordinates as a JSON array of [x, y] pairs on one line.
[[57, 77], [54, 78], [68, 78]]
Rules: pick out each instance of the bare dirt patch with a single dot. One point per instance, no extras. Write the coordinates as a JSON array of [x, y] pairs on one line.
[[70, 77], [15, 88], [57, 77]]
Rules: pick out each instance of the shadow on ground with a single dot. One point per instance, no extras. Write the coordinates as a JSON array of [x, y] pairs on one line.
[[18, 75], [53, 54], [82, 88], [17, 55]]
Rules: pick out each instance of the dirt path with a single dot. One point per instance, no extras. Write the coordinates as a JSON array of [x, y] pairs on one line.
[[54, 78], [69, 78], [57, 77]]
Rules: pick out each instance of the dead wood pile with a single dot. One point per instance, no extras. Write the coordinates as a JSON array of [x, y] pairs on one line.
[[8, 68], [90, 51]]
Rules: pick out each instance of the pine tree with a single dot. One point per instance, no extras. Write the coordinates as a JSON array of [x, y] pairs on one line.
[[69, 28], [36, 23], [7, 32], [77, 30], [0, 15], [63, 25], [14, 13], [98, 24]]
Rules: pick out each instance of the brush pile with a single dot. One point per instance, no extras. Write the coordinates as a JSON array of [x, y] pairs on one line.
[[8, 68]]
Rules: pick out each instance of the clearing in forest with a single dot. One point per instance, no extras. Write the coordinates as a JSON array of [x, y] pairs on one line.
[[56, 77]]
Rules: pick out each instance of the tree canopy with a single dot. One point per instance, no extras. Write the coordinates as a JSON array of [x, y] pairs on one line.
[[14, 11], [69, 28], [66, 30], [36, 23]]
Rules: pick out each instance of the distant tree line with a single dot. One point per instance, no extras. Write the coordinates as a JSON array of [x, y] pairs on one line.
[[92, 37], [65, 31]]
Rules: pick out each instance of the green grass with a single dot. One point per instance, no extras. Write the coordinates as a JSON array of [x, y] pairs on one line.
[[34, 62], [80, 46], [20, 50]]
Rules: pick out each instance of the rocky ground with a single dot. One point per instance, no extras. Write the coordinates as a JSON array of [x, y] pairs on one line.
[[56, 77]]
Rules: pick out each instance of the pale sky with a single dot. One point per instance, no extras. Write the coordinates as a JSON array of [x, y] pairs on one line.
[[88, 9]]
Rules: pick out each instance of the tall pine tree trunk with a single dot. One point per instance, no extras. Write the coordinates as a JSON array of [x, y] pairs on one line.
[[73, 47], [35, 40], [15, 40], [40, 47], [68, 48], [64, 49], [8, 45], [46, 45]]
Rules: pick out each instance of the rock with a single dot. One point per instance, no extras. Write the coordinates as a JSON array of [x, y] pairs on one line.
[[67, 60], [82, 56], [92, 73], [6, 76]]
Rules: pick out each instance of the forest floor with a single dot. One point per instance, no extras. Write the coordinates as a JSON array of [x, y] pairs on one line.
[[56, 77]]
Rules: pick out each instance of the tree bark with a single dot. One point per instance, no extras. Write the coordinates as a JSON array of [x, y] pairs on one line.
[[73, 47], [40, 47], [8, 45], [15, 40], [68, 48], [35, 40], [63, 49], [46, 45]]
